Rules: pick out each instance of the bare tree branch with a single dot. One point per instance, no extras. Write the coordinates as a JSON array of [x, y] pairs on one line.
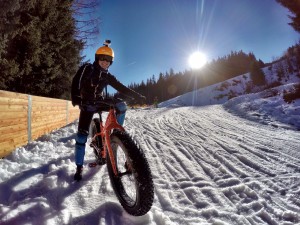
[[87, 20]]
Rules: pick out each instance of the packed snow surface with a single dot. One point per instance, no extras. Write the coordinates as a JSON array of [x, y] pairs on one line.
[[209, 165]]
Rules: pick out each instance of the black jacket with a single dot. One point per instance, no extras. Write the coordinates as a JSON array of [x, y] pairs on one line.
[[90, 82]]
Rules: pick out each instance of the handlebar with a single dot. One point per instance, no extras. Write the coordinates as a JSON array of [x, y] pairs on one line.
[[107, 102]]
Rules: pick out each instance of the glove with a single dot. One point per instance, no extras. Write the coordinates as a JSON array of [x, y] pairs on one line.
[[76, 100]]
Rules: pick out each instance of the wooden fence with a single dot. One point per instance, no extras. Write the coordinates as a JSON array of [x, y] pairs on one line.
[[25, 117]]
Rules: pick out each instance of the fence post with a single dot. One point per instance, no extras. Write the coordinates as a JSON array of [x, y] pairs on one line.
[[29, 117]]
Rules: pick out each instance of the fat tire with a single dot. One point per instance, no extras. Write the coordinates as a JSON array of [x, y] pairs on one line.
[[142, 175]]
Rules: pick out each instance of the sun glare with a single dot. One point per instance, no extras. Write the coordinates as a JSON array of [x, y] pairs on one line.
[[197, 60]]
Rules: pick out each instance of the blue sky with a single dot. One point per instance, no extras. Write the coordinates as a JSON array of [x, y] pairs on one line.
[[152, 36]]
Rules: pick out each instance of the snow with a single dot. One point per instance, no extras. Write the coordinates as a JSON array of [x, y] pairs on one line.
[[213, 161]]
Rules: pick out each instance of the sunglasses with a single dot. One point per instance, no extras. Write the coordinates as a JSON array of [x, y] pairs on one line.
[[106, 58]]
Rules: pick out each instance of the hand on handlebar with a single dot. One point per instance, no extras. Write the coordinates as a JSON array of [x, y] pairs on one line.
[[141, 98]]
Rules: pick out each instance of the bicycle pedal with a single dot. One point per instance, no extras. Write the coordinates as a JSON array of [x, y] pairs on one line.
[[93, 164]]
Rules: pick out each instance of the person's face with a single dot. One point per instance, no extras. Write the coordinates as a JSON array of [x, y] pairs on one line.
[[104, 64]]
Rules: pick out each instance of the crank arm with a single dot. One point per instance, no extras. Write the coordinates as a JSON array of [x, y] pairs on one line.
[[95, 147]]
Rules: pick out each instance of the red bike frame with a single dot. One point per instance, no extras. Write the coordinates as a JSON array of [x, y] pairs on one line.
[[105, 132]]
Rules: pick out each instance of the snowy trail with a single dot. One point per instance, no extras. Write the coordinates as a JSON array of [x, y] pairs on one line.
[[212, 165], [209, 167]]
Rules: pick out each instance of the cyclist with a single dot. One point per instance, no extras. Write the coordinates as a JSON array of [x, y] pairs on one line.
[[87, 89]]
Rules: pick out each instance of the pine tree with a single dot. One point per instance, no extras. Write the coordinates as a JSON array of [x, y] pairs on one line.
[[294, 8], [41, 56], [257, 75], [9, 28]]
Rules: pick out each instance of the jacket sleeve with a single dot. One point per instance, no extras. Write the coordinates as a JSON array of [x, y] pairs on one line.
[[75, 87], [112, 81]]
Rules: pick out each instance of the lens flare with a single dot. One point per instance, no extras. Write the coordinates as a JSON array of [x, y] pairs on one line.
[[197, 60]]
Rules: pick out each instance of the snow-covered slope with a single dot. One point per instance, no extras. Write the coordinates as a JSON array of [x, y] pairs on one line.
[[265, 103]]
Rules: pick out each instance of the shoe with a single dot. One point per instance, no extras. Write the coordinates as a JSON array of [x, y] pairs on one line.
[[78, 174]]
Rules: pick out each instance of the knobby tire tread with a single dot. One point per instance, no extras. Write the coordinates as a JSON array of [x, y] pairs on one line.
[[143, 176]]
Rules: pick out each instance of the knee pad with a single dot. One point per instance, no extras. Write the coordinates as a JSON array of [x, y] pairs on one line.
[[81, 137], [121, 107]]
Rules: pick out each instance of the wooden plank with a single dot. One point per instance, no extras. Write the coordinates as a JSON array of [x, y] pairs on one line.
[[11, 121], [45, 101], [52, 113], [18, 141], [12, 134], [49, 126], [73, 113], [6, 151], [39, 131], [13, 128], [47, 113], [73, 117], [9, 94], [13, 108], [74, 110], [13, 101], [41, 122], [9, 146], [9, 115], [50, 104], [47, 109], [13, 141], [46, 120]]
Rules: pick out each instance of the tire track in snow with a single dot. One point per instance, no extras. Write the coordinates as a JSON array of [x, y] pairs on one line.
[[220, 166]]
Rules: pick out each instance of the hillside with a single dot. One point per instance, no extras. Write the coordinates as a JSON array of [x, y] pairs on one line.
[[267, 101]]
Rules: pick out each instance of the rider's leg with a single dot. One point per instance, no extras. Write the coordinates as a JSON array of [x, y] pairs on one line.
[[121, 111], [81, 139], [85, 119]]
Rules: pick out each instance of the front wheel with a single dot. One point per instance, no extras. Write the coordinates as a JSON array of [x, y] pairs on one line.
[[133, 185]]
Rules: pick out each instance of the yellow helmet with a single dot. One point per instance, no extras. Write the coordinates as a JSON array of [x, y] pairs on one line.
[[106, 51]]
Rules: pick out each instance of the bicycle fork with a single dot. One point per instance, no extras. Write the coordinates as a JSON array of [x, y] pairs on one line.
[[110, 124]]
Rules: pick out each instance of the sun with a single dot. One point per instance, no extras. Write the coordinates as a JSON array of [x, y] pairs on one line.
[[197, 60]]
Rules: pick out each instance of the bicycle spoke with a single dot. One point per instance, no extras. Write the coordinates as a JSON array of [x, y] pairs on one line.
[[125, 173]]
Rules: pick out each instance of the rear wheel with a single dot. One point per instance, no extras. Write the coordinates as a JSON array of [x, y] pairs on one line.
[[133, 185]]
